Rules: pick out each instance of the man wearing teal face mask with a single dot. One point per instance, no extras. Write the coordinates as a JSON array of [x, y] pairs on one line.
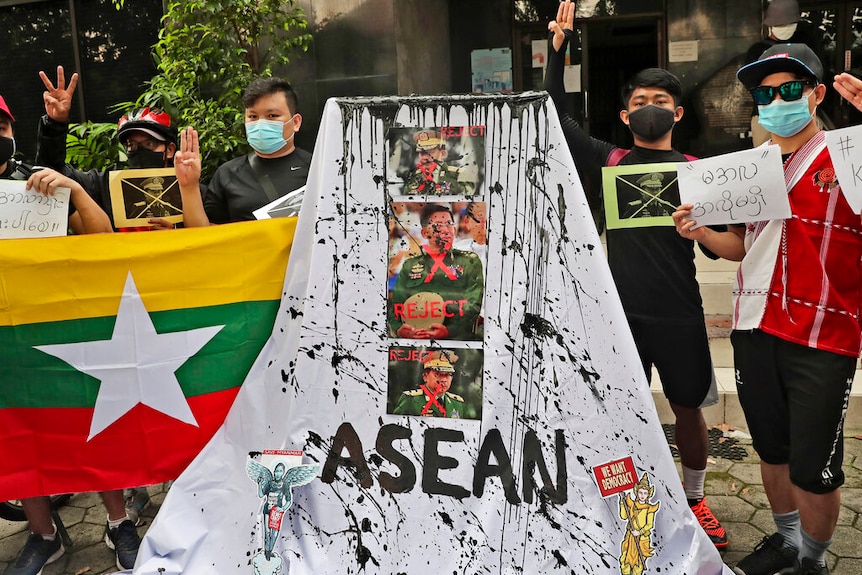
[[796, 325], [242, 185]]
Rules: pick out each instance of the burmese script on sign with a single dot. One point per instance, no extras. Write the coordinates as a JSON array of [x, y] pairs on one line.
[[746, 186], [29, 214]]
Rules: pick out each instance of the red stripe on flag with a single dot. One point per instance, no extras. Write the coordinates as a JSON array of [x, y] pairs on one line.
[[45, 450]]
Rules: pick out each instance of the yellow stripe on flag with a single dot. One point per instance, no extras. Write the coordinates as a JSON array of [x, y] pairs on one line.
[[52, 279]]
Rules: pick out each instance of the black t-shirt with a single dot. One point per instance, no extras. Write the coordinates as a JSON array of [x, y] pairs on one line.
[[235, 190], [653, 267]]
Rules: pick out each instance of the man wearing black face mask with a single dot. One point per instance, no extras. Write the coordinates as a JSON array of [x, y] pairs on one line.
[[10, 168], [653, 267], [148, 134]]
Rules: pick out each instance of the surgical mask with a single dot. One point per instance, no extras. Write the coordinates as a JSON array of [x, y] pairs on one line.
[[784, 32], [266, 136], [651, 122], [7, 149], [785, 119], [143, 158]]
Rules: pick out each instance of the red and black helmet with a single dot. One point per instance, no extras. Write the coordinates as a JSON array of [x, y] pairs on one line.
[[153, 121]]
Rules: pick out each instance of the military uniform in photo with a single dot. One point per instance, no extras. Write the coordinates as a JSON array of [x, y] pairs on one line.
[[446, 290]]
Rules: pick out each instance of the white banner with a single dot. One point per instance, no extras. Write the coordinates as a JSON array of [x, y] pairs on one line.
[[545, 455]]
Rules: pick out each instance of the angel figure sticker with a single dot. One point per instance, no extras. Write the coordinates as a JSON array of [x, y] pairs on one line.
[[276, 473]]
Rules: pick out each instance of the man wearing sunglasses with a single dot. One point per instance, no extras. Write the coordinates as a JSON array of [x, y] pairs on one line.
[[796, 335], [653, 267]]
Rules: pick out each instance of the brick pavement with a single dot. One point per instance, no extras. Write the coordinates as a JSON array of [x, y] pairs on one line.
[[733, 488]]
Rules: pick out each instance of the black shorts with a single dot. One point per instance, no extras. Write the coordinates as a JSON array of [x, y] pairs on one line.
[[680, 354], [794, 398]]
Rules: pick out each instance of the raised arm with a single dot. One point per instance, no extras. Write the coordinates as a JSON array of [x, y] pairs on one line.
[[187, 163]]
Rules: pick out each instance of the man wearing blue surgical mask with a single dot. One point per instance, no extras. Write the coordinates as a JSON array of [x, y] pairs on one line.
[[796, 325], [274, 168]]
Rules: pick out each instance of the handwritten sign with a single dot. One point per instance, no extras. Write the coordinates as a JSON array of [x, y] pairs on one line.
[[845, 146], [30, 214], [746, 186], [615, 476]]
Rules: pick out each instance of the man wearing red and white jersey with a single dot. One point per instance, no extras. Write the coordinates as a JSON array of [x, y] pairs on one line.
[[796, 319]]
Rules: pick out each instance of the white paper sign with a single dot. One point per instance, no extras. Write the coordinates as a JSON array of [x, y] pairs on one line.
[[746, 186], [572, 78], [845, 147], [29, 214]]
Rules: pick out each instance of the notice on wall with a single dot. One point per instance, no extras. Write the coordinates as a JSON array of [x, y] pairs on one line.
[[685, 51], [492, 70]]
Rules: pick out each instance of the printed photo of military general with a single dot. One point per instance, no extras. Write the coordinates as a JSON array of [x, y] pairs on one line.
[[442, 161], [436, 279], [435, 382]]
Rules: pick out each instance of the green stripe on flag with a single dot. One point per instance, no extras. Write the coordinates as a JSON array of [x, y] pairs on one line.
[[31, 378]]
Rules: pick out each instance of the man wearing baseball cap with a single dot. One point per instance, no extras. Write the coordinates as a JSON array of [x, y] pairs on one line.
[[796, 335]]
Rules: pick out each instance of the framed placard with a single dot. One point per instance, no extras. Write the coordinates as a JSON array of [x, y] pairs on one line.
[[140, 195], [640, 195]]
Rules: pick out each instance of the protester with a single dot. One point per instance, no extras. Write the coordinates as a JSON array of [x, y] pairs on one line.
[[43, 546], [275, 168], [782, 20], [653, 267], [148, 134], [796, 323]]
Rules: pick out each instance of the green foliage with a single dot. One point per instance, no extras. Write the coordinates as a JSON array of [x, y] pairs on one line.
[[93, 145], [208, 51]]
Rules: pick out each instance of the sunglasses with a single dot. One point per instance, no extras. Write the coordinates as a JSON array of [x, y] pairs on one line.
[[789, 91]]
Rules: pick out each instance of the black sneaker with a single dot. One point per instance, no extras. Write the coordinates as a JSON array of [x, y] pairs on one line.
[[809, 566], [35, 554], [770, 557], [125, 541]]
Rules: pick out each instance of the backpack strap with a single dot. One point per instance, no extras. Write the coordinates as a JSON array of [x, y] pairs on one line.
[[262, 179], [616, 155]]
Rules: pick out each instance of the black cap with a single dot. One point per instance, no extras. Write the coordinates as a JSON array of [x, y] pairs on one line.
[[797, 59]]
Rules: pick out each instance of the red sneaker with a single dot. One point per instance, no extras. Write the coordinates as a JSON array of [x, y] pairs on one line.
[[710, 524]]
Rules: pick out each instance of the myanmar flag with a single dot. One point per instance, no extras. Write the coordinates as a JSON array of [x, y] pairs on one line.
[[121, 354]]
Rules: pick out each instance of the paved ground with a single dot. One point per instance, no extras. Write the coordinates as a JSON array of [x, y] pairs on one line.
[[733, 487]]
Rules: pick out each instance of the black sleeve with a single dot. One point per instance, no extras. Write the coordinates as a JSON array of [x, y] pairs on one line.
[[589, 153], [51, 143], [51, 153]]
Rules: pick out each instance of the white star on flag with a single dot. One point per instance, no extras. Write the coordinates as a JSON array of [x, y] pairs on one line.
[[136, 365]]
